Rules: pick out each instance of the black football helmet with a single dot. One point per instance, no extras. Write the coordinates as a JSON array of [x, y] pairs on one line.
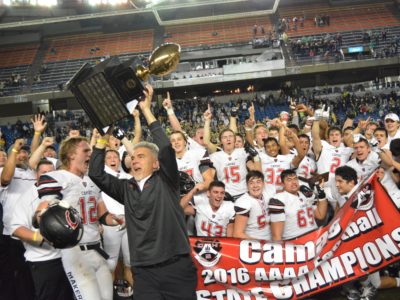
[[186, 183], [61, 225]]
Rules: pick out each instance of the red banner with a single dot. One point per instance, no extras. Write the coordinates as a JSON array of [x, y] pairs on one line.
[[363, 237]]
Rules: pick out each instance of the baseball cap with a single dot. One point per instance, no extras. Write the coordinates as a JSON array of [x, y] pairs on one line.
[[392, 116]]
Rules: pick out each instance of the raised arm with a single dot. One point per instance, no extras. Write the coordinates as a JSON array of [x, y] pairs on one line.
[[300, 151], [138, 128], [233, 120], [207, 131], [95, 136], [38, 153], [316, 139], [9, 167], [39, 125], [167, 104], [166, 155]]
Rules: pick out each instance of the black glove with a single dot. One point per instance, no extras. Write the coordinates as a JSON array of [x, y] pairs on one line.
[[250, 150], [234, 112], [320, 192], [306, 191], [118, 133], [351, 114]]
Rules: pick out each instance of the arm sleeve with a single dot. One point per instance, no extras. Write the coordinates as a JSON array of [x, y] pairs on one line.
[[276, 210], [242, 207], [166, 155], [109, 184], [49, 188]]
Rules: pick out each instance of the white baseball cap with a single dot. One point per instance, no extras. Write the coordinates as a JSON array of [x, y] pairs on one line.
[[392, 116]]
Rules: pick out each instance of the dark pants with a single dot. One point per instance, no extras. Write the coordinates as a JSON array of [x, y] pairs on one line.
[[50, 280], [15, 279], [175, 279]]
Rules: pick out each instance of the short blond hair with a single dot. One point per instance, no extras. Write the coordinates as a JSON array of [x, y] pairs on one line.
[[68, 146]]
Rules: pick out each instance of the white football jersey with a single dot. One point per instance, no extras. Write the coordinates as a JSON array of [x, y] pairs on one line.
[[193, 145], [272, 168], [364, 169], [81, 193], [113, 206], [27, 204], [306, 167], [10, 194], [213, 223], [231, 170], [257, 212], [191, 161], [332, 157], [391, 188], [297, 211]]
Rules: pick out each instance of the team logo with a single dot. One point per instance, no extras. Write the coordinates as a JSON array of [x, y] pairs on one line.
[[208, 252], [365, 197], [72, 221]]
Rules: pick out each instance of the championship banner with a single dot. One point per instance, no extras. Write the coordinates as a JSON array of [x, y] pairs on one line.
[[362, 238]]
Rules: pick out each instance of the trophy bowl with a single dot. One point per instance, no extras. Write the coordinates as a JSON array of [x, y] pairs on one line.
[[162, 61]]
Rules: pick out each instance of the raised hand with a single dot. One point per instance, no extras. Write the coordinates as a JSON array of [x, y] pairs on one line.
[[167, 103], [135, 113], [18, 144], [39, 123], [207, 114], [48, 141], [148, 96]]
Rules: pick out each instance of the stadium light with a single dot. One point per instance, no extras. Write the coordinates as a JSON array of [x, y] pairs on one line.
[[46, 2], [107, 2]]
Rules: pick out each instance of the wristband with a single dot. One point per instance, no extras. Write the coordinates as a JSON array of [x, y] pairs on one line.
[[34, 238], [15, 151], [170, 111], [38, 133], [102, 141], [307, 126], [248, 129], [256, 158]]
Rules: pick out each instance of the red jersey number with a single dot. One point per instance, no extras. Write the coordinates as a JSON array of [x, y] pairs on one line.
[[88, 210], [305, 217], [232, 174]]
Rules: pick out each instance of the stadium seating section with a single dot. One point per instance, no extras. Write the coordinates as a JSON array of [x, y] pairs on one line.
[[18, 55], [98, 44], [221, 32]]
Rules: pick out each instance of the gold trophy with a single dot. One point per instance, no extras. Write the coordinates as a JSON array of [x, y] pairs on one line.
[[110, 90]]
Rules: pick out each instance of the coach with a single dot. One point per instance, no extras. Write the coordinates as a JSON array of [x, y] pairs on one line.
[[158, 243]]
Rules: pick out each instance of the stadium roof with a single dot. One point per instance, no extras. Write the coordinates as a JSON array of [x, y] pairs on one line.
[[166, 12]]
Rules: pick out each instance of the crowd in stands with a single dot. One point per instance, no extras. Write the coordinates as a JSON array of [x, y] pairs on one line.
[[328, 46], [289, 23], [15, 80]]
